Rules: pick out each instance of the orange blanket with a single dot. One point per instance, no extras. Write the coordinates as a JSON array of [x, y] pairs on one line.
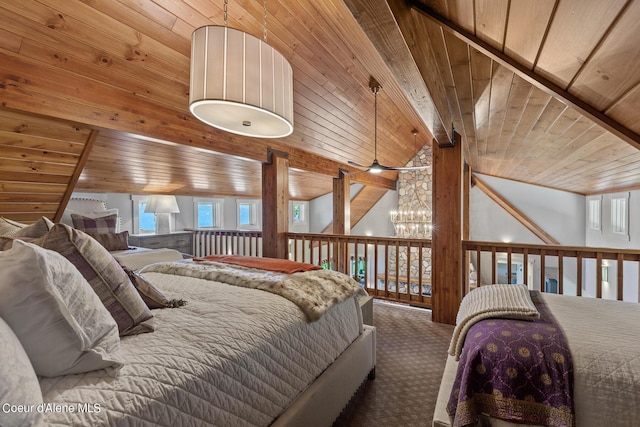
[[268, 264]]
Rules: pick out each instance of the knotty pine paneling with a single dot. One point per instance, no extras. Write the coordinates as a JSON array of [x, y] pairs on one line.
[[38, 157], [574, 33]]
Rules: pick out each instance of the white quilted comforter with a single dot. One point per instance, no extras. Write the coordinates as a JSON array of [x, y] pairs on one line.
[[231, 357], [603, 338]]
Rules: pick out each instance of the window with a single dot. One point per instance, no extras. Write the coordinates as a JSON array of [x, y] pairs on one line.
[[619, 215], [143, 223], [245, 214], [298, 216], [248, 214], [146, 220], [595, 222], [208, 212]]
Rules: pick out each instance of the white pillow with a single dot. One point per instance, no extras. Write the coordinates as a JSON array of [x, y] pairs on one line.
[[19, 385], [59, 319]]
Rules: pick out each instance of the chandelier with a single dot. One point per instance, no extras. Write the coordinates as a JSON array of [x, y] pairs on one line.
[[412, 223], [415, 221]]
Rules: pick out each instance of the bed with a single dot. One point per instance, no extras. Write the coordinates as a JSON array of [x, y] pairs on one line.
[[605, 350], [234, 355]]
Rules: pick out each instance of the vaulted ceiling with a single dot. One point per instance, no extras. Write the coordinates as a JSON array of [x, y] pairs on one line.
[[95, 94]]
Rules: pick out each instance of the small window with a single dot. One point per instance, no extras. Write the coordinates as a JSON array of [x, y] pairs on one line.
[[208, 213], [619, 215], [147, 220], [143, 223], [248, 214], [595, 222], [298, 213], [245, 214], [298, 216]]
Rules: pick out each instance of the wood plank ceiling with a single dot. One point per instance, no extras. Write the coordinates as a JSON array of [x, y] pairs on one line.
[[542, 91], [122, 68]]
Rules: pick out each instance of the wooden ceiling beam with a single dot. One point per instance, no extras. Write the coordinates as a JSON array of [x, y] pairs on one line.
[[82, 161], [522, 71], [385, 30]]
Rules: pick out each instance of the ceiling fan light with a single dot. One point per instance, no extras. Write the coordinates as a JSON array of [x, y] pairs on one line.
[[238, 79], [375, 169]]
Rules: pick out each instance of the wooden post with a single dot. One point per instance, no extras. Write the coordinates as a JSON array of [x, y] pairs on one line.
[[275, 205], [341, 216], [446, 241], [466, 191]]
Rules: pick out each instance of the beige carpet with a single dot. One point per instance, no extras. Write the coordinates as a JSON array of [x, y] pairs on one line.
[[411, 353]]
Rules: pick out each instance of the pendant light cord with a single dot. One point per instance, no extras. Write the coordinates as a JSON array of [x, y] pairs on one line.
[[375, 122], [265, 20], [226, 4]]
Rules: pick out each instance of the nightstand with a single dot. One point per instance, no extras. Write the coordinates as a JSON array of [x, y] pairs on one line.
[[181, 241], [366, 305]]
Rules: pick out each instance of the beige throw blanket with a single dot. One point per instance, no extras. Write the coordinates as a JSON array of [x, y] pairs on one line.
[[498, 301], [314, 292]]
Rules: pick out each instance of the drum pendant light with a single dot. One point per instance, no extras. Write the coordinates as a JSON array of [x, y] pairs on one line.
[[239, 83]]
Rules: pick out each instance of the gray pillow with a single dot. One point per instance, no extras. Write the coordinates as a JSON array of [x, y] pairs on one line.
[[104, 274]]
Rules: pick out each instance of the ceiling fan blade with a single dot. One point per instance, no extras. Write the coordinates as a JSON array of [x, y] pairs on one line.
[[357, 165], [411, 168], [357, 172]]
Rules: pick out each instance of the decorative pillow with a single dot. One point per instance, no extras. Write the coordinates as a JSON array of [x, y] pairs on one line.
[[105, 224], [151, 295], [6, 243], [104, 274], [37, 229], [91, 212], [112, 241], [9, 228], [19, 383], [56, 315]]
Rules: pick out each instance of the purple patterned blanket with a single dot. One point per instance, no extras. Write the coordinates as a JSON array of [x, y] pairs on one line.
[[515, 370]]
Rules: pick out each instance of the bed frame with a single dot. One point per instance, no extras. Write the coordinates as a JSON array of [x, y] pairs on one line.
[[321, 403]]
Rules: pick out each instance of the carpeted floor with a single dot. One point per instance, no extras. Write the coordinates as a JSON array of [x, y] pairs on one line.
[[411, 353]]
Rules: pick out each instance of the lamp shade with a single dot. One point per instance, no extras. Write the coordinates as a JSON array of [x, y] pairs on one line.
[[162, 204], [240, 84]]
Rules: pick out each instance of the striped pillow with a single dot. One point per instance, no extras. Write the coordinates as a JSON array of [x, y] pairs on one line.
[[104, 274], [113, 241], [105, 224]]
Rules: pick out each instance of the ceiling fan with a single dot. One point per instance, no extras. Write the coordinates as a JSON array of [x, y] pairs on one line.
[[376, 167]]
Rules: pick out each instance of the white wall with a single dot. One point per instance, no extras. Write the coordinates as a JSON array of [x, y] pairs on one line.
[[605, 238], [186, 217], [375, 223], [559, 213]]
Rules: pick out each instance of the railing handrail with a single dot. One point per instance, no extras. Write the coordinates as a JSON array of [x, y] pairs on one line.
[[218, 230], [552, 250], [373, 239]]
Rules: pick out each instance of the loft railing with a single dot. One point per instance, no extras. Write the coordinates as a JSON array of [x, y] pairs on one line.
[[226, 242], [372, 261], [579, 271], [379, 264]]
